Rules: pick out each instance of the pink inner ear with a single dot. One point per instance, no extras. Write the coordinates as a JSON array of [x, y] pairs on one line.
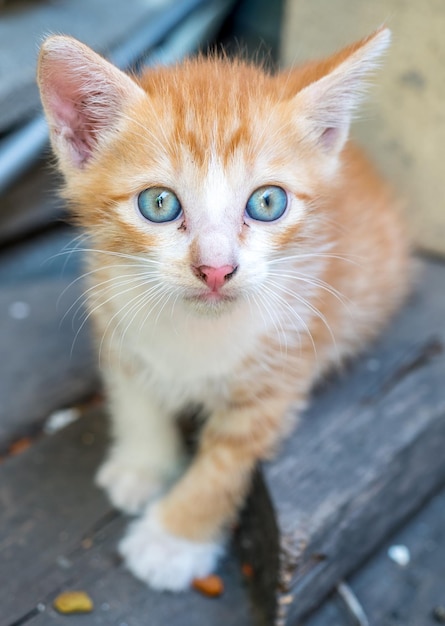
[[70, 126], [79, 94], [329, 138], [71, 123]]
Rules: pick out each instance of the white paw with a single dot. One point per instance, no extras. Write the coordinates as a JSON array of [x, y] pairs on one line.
[[128, 488], [162, 560]]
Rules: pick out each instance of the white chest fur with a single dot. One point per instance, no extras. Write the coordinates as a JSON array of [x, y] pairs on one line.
[[184, 356]]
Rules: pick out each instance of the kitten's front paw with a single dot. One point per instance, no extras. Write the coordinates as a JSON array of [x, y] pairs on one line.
[[128, 488], [162, 560]]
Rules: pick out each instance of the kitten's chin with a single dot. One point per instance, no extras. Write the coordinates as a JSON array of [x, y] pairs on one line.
[[211, 304]]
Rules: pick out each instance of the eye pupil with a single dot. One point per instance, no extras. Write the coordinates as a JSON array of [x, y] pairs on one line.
[[267, 204], [159, 205]]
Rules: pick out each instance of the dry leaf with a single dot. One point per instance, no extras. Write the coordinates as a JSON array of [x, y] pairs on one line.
[[211, 586], [19, 446], [247, 570]]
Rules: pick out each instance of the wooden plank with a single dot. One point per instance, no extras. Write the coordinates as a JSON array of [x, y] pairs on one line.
[[49, 508], [391, 594], [44, 365], [368, 452]]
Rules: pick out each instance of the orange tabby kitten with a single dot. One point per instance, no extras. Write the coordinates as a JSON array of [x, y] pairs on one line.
[[238, 246]]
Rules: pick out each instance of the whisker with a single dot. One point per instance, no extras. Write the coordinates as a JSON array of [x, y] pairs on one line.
[[91, 272], [267, 310], [292, 313], [315, 255], [155, 292], [122, 255], [311, 307], [315, 282], [163, 289], [94, 308], [139, 297], [259, 307], [136, 309], [99, 289]]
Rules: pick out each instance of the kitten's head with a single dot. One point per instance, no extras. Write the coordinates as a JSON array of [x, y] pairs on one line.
[[208, 171]]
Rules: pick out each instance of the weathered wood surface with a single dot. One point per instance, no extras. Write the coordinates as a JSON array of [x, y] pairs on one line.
[[46, 362], [57, 532], [368, 452], [395, 595]]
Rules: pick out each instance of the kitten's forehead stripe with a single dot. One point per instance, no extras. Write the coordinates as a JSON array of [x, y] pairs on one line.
[[209, 103], [304, 197]]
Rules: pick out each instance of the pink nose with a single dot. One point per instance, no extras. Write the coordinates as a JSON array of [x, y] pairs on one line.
[[215, 277]]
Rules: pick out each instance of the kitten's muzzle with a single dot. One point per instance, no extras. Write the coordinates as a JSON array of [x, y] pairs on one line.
[[215, 277]]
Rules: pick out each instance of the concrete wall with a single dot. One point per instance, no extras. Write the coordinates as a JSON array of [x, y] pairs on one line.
[[403, 125]]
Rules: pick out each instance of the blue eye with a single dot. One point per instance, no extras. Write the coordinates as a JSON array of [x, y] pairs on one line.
[[158, 204], [267, 204]]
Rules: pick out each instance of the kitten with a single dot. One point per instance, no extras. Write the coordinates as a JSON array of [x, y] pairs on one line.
[[238, 247]]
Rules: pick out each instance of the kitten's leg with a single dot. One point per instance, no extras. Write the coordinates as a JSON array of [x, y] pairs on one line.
[[181, 536], [146, 453]]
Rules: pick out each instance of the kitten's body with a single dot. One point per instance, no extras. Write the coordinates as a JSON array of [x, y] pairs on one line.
[[300, 293]]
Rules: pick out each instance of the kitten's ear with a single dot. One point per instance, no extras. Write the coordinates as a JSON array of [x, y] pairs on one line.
[[82, 95], [326, 106]]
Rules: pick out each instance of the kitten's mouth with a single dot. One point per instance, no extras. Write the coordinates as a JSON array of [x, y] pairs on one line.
[[210, 298]]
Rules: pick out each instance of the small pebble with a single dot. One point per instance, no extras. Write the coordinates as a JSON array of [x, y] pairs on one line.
[[86, 543], [287, 599], [59, 419], [19, 310], [439, 614], [400, 555], [73, 602], [63, 562]]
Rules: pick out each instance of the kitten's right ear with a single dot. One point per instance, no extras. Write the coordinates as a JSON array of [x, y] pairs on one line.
[[82, 95], [326, 106]]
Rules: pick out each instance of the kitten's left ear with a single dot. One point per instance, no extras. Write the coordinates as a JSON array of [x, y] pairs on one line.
[[83, 96], [326, 106]]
